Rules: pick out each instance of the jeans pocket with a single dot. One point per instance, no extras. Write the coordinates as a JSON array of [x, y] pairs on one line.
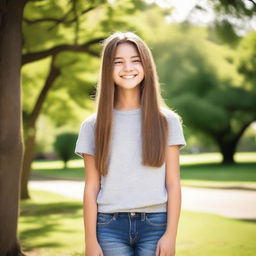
[[104, 218], [156, 219]]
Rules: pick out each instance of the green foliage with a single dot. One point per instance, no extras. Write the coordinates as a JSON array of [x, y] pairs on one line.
[[33, 77], [232, 18], [200, 78], [237, 8], [197, 79], [45, 136], [246, 60], [50, 24], [64, 145], [195, 72], [224, 32]]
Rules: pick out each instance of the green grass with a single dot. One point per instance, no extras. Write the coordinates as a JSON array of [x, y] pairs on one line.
[[214, 175], [200, 170], [52, 225], [202, 234]]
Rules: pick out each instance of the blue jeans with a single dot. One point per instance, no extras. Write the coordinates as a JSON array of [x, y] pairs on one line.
[[130, 233]]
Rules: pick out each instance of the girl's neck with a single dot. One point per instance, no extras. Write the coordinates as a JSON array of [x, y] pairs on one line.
[[126, 107], [127, 99]]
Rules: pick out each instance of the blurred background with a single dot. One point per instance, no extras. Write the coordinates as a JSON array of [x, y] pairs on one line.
[[205, 52]]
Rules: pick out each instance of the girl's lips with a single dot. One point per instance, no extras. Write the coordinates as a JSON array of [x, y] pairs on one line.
[[128, 76]]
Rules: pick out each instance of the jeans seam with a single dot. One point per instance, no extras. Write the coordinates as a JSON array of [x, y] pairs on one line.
[[154, 224], [105, 223]]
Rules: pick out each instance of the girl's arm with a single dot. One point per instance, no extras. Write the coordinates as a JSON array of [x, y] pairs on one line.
[[91, 190], [166, 245], [173, 189]]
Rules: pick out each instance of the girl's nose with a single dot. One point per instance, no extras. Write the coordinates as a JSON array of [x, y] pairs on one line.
[[128, 66]]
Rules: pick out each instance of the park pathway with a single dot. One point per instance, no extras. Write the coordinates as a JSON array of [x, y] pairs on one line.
[[232, 203]]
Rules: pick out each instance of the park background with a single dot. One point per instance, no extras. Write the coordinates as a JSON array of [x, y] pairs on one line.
[[205, 55]]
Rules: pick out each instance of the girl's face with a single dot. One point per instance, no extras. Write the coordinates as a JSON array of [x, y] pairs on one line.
[[128, 70]]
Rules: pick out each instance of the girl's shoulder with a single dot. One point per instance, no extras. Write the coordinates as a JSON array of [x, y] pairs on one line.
[[169, 113], [90, 120]]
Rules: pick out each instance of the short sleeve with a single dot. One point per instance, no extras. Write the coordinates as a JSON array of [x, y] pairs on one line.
[[85, 143], [175, 133]]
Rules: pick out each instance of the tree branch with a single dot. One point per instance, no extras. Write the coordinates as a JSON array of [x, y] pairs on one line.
[[31, 57], [34, 1], [58, 20], [76, 17], [73, 19], [243, 128], [253, 2], [54, 72], [42, 20]]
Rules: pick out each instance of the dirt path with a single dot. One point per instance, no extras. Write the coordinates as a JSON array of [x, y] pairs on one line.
[[230, 203]]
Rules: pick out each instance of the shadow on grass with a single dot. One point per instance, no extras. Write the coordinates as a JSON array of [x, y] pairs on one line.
[[42, 209], [44, 220], [248, 220], [56, 174]]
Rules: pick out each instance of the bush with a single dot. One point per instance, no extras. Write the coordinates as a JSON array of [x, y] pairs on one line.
[[64, 146]]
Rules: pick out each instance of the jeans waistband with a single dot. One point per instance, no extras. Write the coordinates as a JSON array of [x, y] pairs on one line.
[[134, 215]]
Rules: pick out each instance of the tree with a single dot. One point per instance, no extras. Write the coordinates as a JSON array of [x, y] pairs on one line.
[[205, 87], [231, 19], [10, 126], [194, 84], [45, 24], [76, 27]]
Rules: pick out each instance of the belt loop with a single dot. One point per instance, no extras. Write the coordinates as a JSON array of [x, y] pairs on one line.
[[115, 215], [143, 216]]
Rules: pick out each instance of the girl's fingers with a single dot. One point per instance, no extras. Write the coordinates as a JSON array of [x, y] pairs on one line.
[[157, 250]]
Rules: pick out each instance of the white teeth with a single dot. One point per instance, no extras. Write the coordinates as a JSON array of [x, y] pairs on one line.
[[128, 77]]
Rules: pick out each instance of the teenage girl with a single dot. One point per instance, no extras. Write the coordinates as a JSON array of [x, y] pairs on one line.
[[130, 146]]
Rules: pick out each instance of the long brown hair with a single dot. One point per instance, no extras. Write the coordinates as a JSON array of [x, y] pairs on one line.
[[154, 128]]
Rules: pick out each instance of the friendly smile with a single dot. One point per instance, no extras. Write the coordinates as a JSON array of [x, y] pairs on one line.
[[128, 77]]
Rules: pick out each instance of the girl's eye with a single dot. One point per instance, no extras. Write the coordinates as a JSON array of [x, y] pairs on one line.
[[120, 62]]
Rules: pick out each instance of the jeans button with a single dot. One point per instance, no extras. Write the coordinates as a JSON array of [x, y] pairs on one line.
[[133, 213]]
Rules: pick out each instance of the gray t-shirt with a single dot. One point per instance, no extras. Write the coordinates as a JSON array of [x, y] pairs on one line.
[[130, 186]]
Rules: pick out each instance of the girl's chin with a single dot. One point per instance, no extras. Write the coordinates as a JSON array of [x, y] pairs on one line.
[[127, 85], [130, 83]]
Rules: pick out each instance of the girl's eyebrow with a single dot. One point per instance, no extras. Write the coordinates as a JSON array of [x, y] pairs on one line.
[[122, 57]]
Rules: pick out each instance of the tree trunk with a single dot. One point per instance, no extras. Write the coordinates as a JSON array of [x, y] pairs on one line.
[[228, 146], [228, 143], [28, 159], [11, 146], [228, 151], [30, 125]]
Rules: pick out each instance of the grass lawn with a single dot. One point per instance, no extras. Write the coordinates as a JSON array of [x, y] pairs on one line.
[[200, 170], [52, 225]]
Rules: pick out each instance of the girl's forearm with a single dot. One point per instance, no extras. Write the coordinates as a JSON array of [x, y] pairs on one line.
[[173, 209], [90, 216]]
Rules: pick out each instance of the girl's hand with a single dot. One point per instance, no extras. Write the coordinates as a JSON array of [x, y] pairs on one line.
[[93, 249], [165, 246]]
